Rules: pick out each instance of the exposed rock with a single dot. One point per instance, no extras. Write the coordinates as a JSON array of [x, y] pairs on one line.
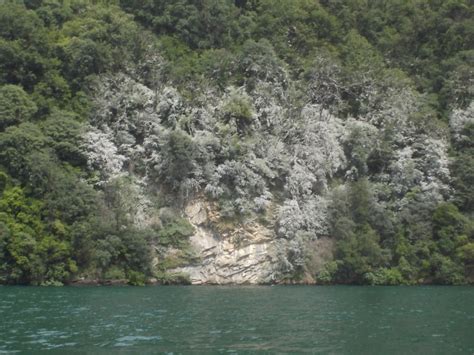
[[225, 263], [196, 213], [245, 255]]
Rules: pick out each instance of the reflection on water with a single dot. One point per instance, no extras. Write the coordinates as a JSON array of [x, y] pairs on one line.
[[238, 319]]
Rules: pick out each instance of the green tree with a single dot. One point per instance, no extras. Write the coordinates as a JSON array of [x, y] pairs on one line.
[[360, 254], [15, 106]]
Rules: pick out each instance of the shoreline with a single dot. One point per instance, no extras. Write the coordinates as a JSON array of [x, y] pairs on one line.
[[124, 282]]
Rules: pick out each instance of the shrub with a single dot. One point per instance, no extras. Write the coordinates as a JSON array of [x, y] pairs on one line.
[[384, 276], [176, 232], [326, 275], [114, 273], [136, 278], [178, 278]]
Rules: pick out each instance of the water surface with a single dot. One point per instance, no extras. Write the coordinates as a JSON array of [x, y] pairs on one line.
[[334, 319]]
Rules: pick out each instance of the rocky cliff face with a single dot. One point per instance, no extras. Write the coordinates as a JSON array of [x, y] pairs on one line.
[[245, 255]]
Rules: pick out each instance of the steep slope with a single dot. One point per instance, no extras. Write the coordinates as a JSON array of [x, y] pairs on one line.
[[254, 141]]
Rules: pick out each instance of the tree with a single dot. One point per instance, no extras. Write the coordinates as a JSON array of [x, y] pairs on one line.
[[18, 145], [82, 58], [179, 154], [15, 106], [360, 254]]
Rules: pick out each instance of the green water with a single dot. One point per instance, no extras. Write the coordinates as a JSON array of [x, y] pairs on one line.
[[376, 320]]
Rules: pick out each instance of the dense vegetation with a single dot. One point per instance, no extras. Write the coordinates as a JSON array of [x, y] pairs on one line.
[[115, 112]]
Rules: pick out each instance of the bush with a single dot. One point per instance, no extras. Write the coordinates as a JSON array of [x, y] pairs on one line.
[[326, 275], [176, 232], [178, 278], [3, 181], [466, 253], [114, 273], [239, 107], [384, 276], [446, 271], [179, 156], [136, 278]]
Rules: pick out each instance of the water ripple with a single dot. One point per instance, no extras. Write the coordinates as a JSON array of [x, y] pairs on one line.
[[238, 319]]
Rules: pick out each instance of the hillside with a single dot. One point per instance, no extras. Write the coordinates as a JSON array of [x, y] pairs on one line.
[[246, 141]]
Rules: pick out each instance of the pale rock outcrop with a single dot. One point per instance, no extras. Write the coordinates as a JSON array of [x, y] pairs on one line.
[[245, 255]]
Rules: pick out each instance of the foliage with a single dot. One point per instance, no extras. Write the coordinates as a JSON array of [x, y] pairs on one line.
[[136, 278], [165, 278], [344, 120], [385, 276], [31, 250], [16, 106], [175, 232]]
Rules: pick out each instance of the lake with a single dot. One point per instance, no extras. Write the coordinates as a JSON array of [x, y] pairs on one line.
[[285, 319]]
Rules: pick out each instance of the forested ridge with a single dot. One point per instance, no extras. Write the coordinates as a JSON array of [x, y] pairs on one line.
[[345, 129]]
